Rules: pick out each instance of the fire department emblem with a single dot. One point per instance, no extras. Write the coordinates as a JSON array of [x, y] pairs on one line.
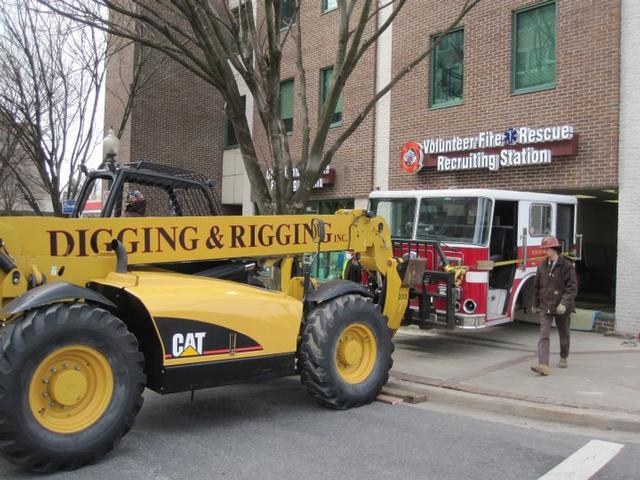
[[411, 157], [511, 136]]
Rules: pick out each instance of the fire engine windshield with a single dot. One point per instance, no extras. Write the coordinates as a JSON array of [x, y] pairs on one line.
[[400, 214], [455, 220]]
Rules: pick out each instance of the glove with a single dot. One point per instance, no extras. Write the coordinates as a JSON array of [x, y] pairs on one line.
[[561, 309]]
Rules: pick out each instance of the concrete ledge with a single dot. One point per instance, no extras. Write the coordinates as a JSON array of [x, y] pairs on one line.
[[584, 417]]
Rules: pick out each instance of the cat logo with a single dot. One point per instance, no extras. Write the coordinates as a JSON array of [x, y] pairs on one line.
[[189, 345]]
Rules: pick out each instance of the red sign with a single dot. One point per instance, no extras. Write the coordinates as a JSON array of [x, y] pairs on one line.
[[411, 157]]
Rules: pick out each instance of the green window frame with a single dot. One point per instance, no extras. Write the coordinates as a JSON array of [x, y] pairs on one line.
[[286, 12], [447, 70], [534, 48], [329, 5], [230, 139], [286, 104], [326, 75]]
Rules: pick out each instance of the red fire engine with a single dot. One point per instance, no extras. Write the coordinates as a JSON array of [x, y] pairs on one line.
[[482, 248]]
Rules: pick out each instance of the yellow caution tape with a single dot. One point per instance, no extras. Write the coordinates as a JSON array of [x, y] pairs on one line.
[[489, 265]]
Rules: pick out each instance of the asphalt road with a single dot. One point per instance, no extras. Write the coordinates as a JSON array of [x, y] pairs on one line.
[[273, 430]]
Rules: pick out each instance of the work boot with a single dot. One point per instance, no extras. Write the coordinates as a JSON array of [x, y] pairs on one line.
[[563, 363], [541, 369]]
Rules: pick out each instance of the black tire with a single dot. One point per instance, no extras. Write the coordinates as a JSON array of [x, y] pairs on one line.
[[320, 335], [24, 344]]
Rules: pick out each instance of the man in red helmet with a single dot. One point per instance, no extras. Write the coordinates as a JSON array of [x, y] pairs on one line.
[[555, 293]]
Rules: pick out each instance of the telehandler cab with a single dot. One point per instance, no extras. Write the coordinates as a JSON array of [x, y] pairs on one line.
[[172, 191], [96, 309]]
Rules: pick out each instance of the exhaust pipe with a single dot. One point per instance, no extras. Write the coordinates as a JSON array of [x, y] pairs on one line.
[[6, 262], [121, 256]]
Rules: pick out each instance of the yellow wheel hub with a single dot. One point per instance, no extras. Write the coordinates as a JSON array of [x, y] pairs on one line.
[[356, 353], [68, 387], [71, 389]]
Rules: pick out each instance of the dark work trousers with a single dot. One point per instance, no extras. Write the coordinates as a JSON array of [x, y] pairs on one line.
[[562, 322]]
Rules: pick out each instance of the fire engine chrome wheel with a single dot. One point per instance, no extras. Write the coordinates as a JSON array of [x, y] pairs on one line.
[[345, 352], [356, 353], [71, 389]]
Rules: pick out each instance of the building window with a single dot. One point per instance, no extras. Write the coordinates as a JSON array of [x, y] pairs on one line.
[[540, 220], [447, 65], [328, 5], [286, 12], [325, 83], [230, 139], [286, 104], [534, 48]]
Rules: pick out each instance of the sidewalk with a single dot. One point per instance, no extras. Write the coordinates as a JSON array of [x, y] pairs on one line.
[[603, 377]]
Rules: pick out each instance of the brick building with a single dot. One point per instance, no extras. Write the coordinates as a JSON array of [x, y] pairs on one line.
[[510, 64]]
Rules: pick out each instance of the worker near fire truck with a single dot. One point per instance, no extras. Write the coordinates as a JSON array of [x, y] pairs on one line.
[[555, 293]]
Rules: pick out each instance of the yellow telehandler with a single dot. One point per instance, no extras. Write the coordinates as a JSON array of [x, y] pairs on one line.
[[96, 309]]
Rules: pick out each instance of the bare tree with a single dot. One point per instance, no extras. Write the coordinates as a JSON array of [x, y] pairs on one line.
[[20, 189], [214, 42], [52, 71], [10, 196], [9, 193]]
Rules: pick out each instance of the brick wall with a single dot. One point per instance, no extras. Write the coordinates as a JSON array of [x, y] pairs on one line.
[[605, 323], [585, 96], [177, 118], [627, 317], [180, 121]]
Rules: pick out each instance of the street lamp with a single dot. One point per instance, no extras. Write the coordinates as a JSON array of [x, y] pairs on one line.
[[110, 146]]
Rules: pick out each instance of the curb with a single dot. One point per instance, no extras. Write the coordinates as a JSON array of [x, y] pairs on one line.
[[583, 417]]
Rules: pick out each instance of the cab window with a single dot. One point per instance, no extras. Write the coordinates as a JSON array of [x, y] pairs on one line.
[[398, 212], [93, 196], [455, 219], [540, 219]]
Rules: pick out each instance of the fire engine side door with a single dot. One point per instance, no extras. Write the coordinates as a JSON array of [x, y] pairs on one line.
[[535, 220]]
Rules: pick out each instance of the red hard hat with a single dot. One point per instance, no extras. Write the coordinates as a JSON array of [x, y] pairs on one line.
[[134, 197], [550, 242]]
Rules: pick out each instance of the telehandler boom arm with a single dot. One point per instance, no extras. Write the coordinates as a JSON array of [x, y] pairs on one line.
[[77, 250]]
